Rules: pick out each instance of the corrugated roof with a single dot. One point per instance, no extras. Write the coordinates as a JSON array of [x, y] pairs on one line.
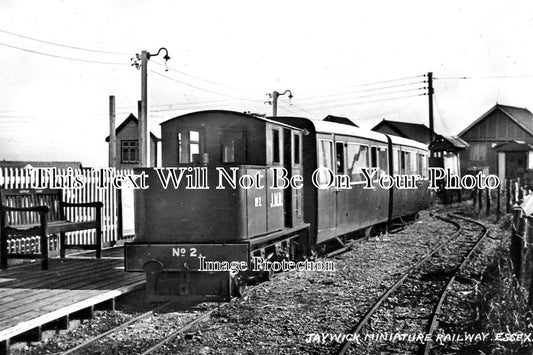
[[415, 131], [522, 116]]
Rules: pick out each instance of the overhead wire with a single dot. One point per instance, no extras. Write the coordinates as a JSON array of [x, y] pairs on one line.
[[204, 80], [367, 102], [318, 103], [368, 90], [200, 88], [61, 45], [62, 57]]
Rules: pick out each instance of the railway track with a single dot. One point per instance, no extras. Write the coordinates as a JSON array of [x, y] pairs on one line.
[[420, 293], [157, 319]]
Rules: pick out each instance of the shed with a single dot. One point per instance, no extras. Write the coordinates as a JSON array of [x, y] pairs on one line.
[[127, 148], [507, 128]]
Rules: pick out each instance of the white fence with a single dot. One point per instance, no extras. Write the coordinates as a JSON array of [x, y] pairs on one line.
[[90, 191]]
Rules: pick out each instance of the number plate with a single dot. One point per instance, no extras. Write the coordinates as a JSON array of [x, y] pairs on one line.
[[182, 256]]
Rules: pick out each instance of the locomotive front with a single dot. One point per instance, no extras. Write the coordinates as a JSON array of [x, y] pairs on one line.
[[213, 207]]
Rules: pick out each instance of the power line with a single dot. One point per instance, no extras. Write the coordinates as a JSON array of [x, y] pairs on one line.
[[315, 103], [370, 90], [200, 88], [61, 45], [62, 57], [205, 80], [367, 102], [484, 77]]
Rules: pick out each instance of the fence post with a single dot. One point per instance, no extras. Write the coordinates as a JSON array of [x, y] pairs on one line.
[[498, 193], [508, 195], [479, 199], [488, 201], [515, 249]]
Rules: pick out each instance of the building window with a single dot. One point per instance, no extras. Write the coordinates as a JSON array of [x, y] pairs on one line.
[[129, 151], [478, 151]]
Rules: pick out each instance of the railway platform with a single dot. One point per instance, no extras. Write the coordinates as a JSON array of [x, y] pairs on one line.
[[34, 300]]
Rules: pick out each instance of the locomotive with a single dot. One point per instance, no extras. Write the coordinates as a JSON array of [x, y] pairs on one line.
[[224, 197]]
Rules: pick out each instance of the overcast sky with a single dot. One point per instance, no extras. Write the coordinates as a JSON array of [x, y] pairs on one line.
[[229, 54]]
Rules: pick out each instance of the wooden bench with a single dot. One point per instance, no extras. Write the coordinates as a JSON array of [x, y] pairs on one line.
[[40, 213]]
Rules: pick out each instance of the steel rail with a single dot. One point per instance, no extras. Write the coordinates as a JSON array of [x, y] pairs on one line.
[[438, 308], [117, 328], [346, 345]]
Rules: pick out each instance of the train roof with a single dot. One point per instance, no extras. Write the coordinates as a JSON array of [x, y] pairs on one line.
[[349, 130], [235, 113]]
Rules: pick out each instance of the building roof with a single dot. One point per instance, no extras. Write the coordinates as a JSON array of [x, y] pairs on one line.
[[414, 131], [341, 120], [448, 143], [40, 164], [130, 118], [521, 116], [513, 146]]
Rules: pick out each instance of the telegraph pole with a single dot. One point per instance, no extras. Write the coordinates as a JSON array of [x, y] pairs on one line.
[[144, 139], [430, 102], [112, 134], [274, 96], [144, 135]]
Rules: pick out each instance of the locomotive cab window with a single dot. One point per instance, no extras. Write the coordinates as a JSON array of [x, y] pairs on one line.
[[234, 146], [189, 143]]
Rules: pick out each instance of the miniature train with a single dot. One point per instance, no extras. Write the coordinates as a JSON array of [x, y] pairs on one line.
[[238, 187]]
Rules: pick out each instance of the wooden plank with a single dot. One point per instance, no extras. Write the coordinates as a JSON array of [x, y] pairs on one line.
[[73, 281], [56, 299], [51, 316]]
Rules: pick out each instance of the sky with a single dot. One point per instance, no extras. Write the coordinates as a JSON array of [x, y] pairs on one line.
[[365, 60]]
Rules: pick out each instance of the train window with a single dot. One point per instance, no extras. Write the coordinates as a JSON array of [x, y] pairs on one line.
[[396, 162], [339, 148], [424, 166], [374, 157], [234, 146], [413, 167], [324, 160], [403, 164], [356, 158], [383, 160], [228, 151], [189, 143], [194, 144], [180, 149], [275, 146], [296, 151]]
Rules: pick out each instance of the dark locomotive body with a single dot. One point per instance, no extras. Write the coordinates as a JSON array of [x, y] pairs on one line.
[[177, 225]]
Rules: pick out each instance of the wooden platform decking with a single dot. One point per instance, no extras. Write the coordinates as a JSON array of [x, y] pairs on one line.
[[31, 298]]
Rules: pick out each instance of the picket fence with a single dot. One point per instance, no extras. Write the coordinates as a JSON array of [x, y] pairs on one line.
[[110, 196]]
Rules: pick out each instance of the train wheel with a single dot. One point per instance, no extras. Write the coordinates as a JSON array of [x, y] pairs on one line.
[[238, 285]]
